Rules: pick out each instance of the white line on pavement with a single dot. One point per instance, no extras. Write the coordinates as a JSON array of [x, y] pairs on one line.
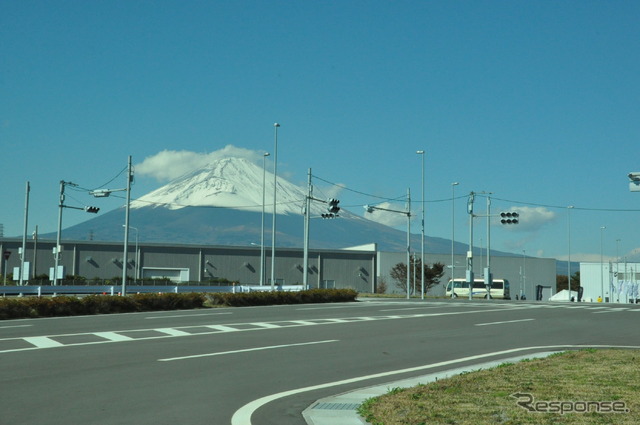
[[271, 347], [242, 416], [500, 323], [185, 315], [42, 341], [112, 336]]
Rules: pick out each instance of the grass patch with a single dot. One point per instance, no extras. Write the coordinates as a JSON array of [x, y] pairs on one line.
[[571, 382]]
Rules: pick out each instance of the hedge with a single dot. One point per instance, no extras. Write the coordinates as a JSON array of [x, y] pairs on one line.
[[245, 299], [29, 307]]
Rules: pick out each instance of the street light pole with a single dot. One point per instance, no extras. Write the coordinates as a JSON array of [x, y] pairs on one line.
[[453, 231], [602, 266], [264, 176], [408, 239], [569, 208], [488, 278], [307, 212], [126, 230], [421, 153], [275, 190], [407, 212], [470, 279], [24, 234]]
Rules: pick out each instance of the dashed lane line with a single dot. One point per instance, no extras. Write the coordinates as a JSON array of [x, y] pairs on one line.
[[14, 344]]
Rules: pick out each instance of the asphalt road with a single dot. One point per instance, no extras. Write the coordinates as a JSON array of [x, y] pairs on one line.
[[265, 365]]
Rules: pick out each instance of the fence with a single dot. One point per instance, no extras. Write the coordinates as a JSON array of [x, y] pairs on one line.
[[39, 290]]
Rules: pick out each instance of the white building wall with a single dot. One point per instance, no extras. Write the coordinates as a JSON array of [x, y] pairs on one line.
[[615, 282]]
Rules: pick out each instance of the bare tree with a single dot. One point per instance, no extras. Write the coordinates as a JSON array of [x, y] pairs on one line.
[[432, 275]]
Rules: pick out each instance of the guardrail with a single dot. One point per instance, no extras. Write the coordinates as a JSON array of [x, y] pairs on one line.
[[134, 289]]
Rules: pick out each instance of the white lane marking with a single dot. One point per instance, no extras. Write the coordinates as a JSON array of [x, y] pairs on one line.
[[334, 307], [410, 308], [243, 415], [185, 315], [15, 326], [266, 325], [173, 332], [500, 323], [222, 353], [42, 341], [112, 336], [611, 310], [222, 328]]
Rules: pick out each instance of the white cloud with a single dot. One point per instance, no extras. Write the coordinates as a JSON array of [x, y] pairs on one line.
[[169, 164], [388, 218], [531, 219], [335, 190]]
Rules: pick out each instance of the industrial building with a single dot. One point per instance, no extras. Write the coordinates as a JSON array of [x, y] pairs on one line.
[[360, 268], [610, 282]]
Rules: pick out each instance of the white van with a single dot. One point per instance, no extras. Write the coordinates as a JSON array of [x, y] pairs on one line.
[[460, 288]]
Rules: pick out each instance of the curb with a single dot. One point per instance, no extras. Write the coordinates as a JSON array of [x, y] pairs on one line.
[[341, 409]]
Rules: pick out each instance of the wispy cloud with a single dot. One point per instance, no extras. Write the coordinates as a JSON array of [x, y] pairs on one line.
[[170, 164], [532, 219], [388, 218]]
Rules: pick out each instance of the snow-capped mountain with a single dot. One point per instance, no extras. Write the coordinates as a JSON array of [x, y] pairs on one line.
[[228, 183], [221, 204]]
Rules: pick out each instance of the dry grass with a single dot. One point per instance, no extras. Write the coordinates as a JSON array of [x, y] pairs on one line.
[[486, 396]]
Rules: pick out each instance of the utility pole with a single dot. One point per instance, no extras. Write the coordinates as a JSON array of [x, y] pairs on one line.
[[470, 252], [125, 261], [24, 234], [307, 213]]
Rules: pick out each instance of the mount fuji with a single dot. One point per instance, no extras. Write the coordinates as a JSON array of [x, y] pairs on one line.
[[221, 204]]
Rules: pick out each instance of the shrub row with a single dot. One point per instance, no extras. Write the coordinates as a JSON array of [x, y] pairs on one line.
[[14, 308], [28, 307], [245, 299]]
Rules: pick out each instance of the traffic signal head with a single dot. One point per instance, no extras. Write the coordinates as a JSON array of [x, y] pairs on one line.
[[509, 217], [333, 207], [93, 210]]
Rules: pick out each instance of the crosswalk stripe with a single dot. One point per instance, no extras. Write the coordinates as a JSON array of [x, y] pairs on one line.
[[112, 336], [42, 342], [173, 332]]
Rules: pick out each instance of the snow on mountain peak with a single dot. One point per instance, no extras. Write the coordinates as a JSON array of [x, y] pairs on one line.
[[226, 183]]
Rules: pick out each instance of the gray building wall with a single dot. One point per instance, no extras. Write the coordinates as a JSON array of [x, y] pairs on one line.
[[103, 260], [523, 273]]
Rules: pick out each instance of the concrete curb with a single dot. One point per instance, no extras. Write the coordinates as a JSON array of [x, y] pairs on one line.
[[341, 409]]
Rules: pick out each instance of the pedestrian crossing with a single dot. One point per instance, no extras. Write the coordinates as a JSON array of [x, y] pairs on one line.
[[14, 344]]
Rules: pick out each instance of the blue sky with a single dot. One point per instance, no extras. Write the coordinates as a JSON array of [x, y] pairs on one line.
[[533, 101]]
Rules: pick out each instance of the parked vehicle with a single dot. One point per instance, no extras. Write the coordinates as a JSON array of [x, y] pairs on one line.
[[460, 288]]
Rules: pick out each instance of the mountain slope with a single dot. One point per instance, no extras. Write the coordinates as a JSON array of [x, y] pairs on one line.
[[221, 204]]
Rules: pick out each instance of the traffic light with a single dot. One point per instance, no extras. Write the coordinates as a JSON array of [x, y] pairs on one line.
[[93, 210], [509, 217], [333, 207], [329, 215]]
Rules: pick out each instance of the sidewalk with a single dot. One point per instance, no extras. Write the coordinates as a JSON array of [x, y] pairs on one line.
[[341, 409]]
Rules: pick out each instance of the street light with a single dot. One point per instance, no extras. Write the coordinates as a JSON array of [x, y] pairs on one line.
[[453, 231], [264, 175], [421, 153], [602, 266], [470, 279], [275, 190], [569, 208], [369, 209]]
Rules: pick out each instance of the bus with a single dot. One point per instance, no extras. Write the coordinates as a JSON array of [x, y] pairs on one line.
[[499, 289]]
